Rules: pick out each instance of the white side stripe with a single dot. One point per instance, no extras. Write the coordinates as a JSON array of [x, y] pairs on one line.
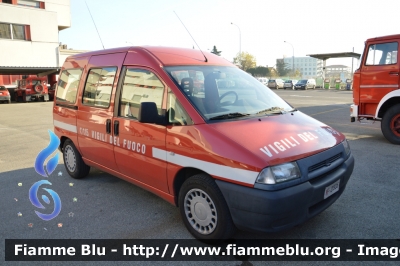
[[236, 174], [379, 86], [65, 126]]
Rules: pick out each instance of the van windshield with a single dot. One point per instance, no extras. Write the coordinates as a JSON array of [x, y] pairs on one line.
[[220, 92]]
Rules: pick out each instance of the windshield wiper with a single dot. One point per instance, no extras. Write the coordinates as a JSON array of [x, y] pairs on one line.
[[228, 116], [273, 110]]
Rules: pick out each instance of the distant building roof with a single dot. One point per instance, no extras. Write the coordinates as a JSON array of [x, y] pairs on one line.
[[335, 55]]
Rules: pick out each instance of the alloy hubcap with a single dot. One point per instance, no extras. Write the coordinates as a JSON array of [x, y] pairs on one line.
[[70, 159], [200, 211]]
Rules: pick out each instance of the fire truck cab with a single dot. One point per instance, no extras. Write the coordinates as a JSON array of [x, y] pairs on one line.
[[31, 88], [376, 92]]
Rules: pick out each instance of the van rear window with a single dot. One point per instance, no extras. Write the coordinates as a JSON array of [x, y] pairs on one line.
[[68, 85]]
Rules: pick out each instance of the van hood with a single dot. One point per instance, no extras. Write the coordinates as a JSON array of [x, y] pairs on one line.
[[280, 138]]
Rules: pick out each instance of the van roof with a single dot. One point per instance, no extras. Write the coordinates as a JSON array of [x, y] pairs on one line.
[[166, 55], [388, 37]]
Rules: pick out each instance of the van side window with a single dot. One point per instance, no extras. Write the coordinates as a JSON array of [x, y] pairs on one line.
[[176, 114], [382, 54], [99, 86], [68, 85], [139, 85]]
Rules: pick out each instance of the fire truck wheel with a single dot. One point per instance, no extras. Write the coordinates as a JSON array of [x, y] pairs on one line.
[[204, 210], [74, 164], [391, 124], [38, 88]]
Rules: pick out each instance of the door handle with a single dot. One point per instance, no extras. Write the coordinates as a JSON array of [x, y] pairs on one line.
[[108, 126], [394, 73], [116, 128]]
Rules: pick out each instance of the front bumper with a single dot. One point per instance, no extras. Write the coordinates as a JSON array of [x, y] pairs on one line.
[[259, 210]]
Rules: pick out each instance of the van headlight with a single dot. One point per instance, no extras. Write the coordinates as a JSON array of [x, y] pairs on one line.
[[346, 146], [279, 173]]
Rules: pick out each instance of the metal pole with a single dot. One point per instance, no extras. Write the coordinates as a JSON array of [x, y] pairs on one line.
[[292, 56], [352, 60], [240, 39]]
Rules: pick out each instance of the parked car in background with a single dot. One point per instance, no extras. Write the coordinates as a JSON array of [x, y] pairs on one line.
[[289, 84], [264, 81], [4, 95], [275, 83], [305, 84]]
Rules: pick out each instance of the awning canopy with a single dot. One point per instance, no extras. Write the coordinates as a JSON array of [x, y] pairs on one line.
[[335, 55], [8, 70]]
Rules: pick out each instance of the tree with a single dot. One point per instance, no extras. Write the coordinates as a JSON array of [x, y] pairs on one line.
[[245, 60], [281, 67], [215, 51], [258, 71]]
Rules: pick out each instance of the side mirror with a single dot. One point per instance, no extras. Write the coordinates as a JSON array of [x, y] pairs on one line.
[[148, 113]]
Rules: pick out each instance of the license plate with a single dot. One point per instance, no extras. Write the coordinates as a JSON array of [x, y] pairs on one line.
[[332, 189]]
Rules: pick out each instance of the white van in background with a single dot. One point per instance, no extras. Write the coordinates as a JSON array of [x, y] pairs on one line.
[[311, 84]]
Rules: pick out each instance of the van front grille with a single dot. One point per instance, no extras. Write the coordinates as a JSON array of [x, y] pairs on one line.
[[324, 163]]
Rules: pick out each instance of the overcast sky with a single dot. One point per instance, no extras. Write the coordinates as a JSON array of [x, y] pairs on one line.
[[311, 26]]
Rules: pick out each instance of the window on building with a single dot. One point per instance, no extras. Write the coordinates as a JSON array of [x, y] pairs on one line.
[[14, 31], [29, 3], [5, 31], [18, 32], [140, 85], [99, 86]]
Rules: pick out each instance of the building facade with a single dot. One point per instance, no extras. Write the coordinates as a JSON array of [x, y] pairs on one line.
[[29, 36], [307, 66]]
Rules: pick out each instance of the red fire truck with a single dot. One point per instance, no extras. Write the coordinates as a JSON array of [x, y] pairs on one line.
[[31, 88], [376, 92]]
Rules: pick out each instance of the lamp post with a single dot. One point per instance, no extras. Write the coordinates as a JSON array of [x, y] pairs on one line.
[[240, 39], [292, 56]]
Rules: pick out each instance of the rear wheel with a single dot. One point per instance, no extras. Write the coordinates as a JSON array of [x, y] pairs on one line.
[[204, 210], [390, 124], [73, 162]]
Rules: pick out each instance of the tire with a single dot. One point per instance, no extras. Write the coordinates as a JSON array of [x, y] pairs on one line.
[[201, 191], [73, 162], [390, 124]]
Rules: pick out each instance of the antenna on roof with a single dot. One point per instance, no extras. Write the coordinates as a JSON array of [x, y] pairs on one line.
[[95, 25], [192, 37]]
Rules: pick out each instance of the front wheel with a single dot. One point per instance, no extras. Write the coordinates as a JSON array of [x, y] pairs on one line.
[[390, 124], [73, 162], [204, 210]]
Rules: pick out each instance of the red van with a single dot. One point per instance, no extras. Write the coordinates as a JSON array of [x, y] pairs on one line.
[[234, 155]]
